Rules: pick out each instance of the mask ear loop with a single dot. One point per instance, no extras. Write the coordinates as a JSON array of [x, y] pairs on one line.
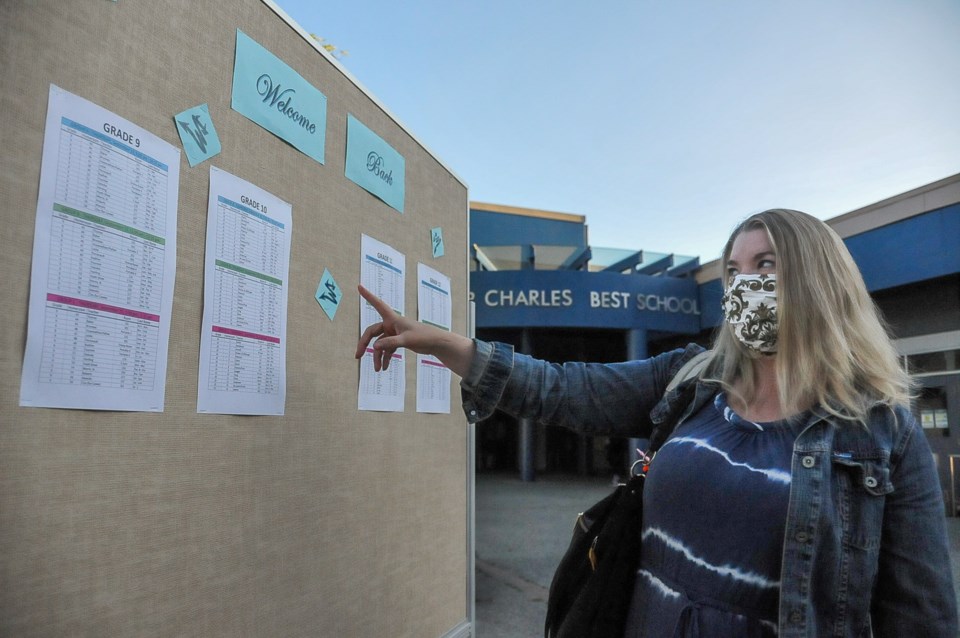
[[643, 463]]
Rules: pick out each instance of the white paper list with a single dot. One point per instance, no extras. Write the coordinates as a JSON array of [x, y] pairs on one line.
[[382, 272], [104, 262], [435, 308], [243, 340]]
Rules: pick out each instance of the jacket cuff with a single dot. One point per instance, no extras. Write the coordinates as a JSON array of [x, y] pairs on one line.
[[486, 380]]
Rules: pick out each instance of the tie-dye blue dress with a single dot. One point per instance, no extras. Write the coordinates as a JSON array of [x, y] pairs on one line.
[[715, 506]]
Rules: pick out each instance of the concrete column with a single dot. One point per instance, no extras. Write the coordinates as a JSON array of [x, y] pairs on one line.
[[527, 439], [584, 452], [636, 349], [540, 440]]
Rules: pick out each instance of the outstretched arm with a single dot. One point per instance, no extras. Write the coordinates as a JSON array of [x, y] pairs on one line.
[[591, 398], [393, 332]]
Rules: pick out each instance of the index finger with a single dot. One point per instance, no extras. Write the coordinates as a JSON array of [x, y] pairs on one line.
[[373, 330], [377, 303]]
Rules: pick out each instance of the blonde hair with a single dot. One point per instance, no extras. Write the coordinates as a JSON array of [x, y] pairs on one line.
[[833, 348]]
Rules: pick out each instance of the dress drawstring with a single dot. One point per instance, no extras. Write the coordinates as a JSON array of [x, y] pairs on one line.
[[688, 623]]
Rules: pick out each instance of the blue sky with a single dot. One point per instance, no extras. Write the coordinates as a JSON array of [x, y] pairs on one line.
[[665, 122]]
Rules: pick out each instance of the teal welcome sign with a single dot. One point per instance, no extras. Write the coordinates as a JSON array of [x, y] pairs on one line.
[[274, 96], [374, 164]]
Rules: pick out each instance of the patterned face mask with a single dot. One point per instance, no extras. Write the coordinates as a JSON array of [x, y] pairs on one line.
[[750, 307]]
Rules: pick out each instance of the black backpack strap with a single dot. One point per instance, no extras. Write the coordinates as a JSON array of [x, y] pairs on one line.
[[677, 396]]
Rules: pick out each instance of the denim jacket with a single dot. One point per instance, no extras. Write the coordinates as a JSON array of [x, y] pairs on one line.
[[865, 546]]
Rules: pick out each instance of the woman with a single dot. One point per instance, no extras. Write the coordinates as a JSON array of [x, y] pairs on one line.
[[797, 496]]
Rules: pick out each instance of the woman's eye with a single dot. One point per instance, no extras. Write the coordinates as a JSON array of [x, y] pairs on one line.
[[767, 263]]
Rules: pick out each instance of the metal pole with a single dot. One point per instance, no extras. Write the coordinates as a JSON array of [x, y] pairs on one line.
[[527, 442]]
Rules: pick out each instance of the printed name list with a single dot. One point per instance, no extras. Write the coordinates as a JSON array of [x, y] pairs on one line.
[[243, 342], [436, 309], [382, 271], [104, 262]]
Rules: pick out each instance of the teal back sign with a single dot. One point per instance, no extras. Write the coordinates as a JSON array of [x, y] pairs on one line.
[[274, 96], [374, 164]]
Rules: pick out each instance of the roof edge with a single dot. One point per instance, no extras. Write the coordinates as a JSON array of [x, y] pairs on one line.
[[528, 212], [917, 201]]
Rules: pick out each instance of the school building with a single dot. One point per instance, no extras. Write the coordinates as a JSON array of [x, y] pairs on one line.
[[538, 284]]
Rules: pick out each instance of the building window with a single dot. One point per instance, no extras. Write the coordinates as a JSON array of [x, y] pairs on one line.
[[932, 408], [934, 362]]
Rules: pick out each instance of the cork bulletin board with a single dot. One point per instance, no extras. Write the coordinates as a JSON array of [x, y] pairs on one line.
[[326, 521]]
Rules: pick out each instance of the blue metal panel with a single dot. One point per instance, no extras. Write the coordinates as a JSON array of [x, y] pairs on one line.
[[501, 229], [510, 299], [918, 248], [711, 311]]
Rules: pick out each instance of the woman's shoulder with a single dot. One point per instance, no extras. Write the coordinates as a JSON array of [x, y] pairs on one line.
[[895, 418], [899, 424], [889, 428], [675, 359], [687, 364]]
